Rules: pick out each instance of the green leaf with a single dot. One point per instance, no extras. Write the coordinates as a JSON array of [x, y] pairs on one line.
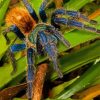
[[6, 73], [3, 10], [59, 88], [85, 80], [76, 4], [36, 5]]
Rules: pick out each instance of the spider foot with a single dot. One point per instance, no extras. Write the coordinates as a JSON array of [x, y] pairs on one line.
[[92, 29], [60, 74], [29, 90]]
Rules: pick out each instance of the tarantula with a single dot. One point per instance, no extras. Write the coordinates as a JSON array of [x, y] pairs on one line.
[[38, 37]]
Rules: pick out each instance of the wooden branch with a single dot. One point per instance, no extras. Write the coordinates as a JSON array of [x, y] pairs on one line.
[[39, 81]]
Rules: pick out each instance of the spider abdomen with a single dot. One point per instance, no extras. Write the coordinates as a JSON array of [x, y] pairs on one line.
[[21, 18]]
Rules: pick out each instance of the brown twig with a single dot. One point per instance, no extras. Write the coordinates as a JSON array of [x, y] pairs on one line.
[[95, 14], [9, 93], [39, 81]]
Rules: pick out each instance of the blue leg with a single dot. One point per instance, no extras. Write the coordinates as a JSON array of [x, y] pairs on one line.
[[61, 38], [58, 34], [49, 43], [31, 10], [51, 50], [74, 14], [17, 47], [16, 30], [30, 73], [52, 30], [75, 24], [42, 12]]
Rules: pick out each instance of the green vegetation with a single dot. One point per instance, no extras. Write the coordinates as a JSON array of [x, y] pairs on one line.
[[85, 56]]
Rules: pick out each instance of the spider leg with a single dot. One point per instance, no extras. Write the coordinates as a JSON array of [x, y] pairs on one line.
[[15, 48], [39, 47], [6, 37], [49, 44], [60, 37], [16, 30], [31, 10], [13, 61], [76, 24], [51, 50], [42, 12], [30, 73], [79, 15], [74, 14]]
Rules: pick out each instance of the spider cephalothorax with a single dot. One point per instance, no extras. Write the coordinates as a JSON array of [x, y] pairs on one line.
[[42, 34]]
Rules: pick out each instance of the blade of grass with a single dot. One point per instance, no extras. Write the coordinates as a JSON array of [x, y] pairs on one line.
[[3, 10], [84, 81], [76, 4]]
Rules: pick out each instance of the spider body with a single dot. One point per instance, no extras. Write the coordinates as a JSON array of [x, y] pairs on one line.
[[38, 37]]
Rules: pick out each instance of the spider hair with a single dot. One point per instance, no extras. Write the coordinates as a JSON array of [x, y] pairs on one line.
[[21, 18]]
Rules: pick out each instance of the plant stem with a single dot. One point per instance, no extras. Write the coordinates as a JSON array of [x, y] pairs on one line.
[[39, 81]]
